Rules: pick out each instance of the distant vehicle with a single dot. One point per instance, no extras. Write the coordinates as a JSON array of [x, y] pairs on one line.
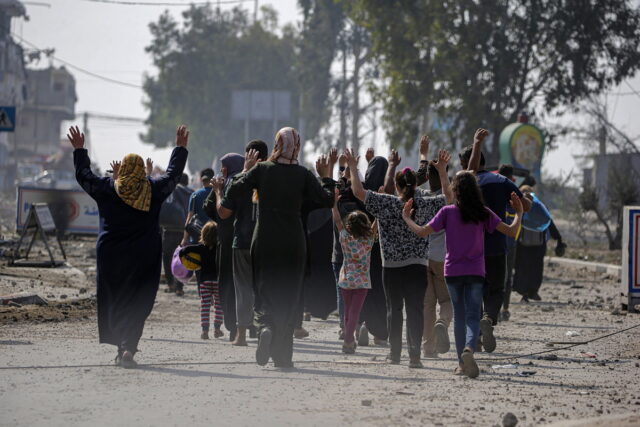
[[53, 178]]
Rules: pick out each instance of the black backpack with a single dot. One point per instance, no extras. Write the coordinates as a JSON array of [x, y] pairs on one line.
[[173, 213]]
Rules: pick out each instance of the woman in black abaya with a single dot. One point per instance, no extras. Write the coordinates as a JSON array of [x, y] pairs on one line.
[[129, 247]]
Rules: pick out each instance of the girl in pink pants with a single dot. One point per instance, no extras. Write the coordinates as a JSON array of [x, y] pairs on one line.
[[357, 236]]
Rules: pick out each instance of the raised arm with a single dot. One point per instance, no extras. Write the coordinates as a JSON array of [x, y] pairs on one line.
[[337, 220], [356, 185], [422, 173], [441, 165], [389, 179], [474, 160], [321, 192], [168, 181], [218, 190], [511, 230], [89, 182], [423, 231]]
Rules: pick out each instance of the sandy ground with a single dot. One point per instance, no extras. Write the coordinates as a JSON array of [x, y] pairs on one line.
[[55, 373]]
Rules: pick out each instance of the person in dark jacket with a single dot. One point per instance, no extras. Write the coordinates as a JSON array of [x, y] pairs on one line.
[[232, 164], [173, 215], [129, 247]]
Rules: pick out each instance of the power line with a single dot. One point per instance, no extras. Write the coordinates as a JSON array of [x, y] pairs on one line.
[[632, 89], [111, 117], [80, 69], [138, 3]]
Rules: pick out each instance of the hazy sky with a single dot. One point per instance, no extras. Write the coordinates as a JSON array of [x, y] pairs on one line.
[[110, 39]]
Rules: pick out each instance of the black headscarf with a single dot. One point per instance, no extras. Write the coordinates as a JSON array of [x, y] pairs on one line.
[[376, 171]]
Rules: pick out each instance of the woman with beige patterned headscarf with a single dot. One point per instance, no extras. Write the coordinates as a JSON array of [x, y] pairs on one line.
[[278, 249], [129, 247]]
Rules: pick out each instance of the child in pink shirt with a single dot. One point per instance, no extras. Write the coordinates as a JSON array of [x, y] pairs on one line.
[[465, 224]]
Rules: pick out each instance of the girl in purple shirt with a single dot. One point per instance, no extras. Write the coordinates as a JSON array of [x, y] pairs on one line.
[[465, 223]]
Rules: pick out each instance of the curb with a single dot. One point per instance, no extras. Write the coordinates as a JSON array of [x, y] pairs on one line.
[[614, 270]]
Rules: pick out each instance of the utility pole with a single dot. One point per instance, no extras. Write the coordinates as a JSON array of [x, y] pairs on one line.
[[85, 129]]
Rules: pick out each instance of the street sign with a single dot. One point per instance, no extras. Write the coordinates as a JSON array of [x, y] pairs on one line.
[[40, 222], [7, 119]]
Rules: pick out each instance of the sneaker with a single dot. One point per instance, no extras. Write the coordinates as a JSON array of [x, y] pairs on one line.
[[300, 333], [204, 335], [442, 337], [363, 337], [263, 351], [488, 340], [505, 316], [458, 371], [217, 333], [179, 293], [470, 367]]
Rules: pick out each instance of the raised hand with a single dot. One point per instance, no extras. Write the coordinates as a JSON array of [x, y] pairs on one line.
[[480, 135], [149, 166], [394, 158], [76, 137], [424, 147], [250, 160], [322, 167], [352, 161], [370, 154], [407, 210], [115, 167], [333, 157], [182, 136], [342, 160], [443, 159], [217, 184], [516, 203]]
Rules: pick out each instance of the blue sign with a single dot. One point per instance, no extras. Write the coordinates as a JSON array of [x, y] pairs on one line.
[[7, 119]]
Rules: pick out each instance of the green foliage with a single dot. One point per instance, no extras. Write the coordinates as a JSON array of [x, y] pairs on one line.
[[200, 63], [480, 63], [322, 22]]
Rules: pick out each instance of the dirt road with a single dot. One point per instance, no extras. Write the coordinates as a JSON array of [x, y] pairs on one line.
[[55, 373]]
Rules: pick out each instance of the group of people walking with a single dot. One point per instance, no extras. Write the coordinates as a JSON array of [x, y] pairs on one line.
[[397, 248]]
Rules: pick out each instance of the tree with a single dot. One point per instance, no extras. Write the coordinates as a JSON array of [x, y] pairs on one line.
[[322, 22], [616, 150], [480, 63], [201, 62]]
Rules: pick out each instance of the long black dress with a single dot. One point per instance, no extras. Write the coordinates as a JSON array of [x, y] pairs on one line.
[[278, 248], [129, 251]]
